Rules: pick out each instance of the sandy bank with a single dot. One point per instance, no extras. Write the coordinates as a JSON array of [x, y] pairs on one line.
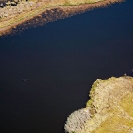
[[41, 13]]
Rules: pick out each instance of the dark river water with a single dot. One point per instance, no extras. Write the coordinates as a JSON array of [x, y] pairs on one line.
[[61, 60]]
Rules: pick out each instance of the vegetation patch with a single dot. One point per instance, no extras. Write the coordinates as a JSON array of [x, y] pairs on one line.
[[110, 109]]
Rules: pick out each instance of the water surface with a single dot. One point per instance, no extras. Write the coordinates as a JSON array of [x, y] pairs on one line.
[[61, 60]]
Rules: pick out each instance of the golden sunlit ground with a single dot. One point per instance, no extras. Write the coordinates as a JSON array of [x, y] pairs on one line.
[[12, 16], [111, 108]]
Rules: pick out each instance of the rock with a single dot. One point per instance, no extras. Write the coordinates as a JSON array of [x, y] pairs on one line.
[[5, 15], [13, 4], [8, 3], [1, 5], [16, 1]]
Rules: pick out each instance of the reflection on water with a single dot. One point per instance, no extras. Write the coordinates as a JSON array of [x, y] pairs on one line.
[[61, 60], [48, 16]]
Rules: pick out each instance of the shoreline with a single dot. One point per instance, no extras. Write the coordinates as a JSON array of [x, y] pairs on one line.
[[108, 110], [49, 14]]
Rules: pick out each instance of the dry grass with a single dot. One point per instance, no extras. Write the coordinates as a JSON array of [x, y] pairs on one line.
[[112, 101], [72, 6], [118, 122]]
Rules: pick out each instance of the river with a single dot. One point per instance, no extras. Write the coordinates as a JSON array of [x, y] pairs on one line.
[[46, 72]]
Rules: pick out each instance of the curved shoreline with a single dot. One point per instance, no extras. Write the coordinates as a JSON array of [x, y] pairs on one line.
[[109, 109], [42, 16]]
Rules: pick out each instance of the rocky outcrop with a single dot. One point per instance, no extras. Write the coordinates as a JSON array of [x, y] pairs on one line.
[[108, 111], [4, 3], [10, 11]]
